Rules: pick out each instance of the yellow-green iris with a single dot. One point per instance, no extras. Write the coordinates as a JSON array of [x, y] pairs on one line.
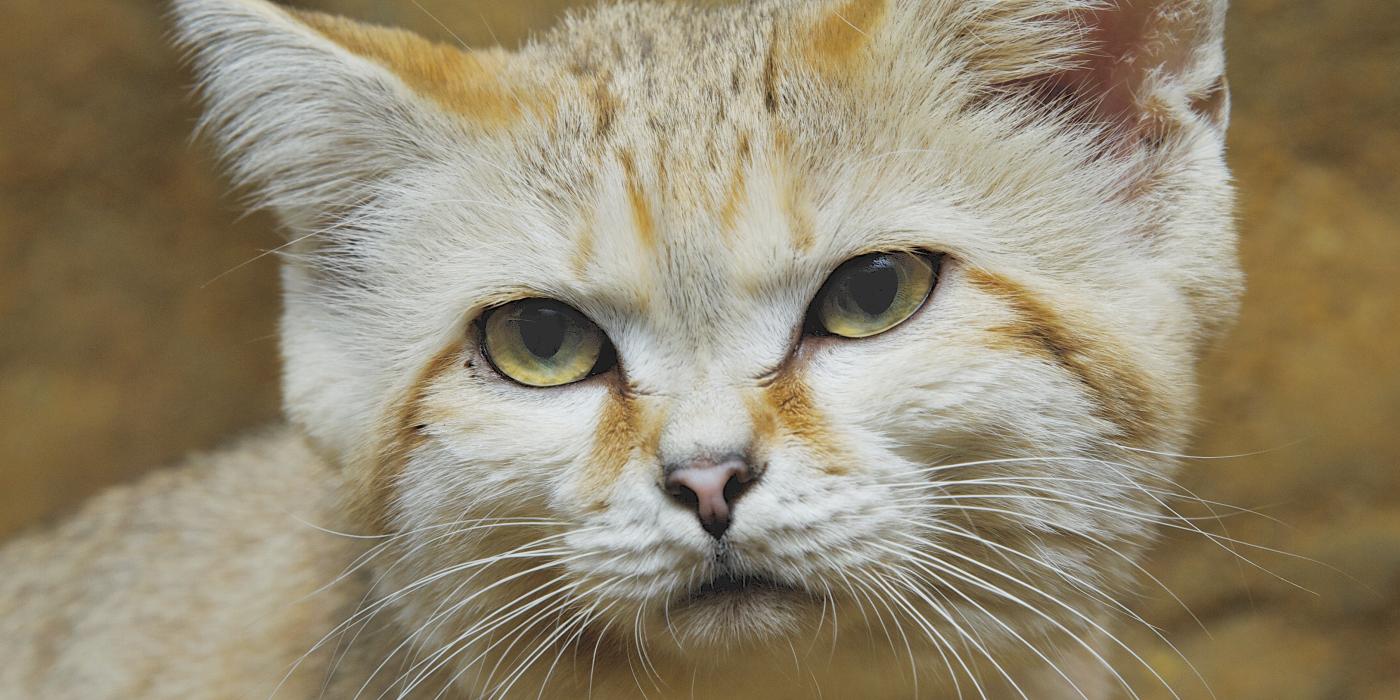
[[870, 294], [542, 342]]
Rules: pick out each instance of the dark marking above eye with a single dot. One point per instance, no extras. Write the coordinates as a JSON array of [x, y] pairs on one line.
[[770, 73]]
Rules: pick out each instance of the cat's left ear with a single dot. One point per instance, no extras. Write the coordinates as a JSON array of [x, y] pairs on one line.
[[315, 112]]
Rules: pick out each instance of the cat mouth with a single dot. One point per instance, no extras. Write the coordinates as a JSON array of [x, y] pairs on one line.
[[733, 609], [731, 586]]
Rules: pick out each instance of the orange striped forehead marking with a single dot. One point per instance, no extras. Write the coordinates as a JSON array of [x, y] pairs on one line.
[[793, 195], [605, 108], [480, 85], [584, 243], [733, 200], [839, 35], [642, 216]]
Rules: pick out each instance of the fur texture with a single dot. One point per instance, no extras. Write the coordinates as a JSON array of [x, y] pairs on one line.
[[954, 507]]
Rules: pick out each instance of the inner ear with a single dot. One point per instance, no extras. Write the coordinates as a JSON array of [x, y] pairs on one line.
[[1104, 79], [1142, 67]]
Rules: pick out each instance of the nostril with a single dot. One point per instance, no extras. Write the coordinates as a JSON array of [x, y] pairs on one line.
[[735, 487], [682, 493], [709, 489]]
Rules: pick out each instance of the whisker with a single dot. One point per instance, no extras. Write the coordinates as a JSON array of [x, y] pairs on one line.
[[984, 585], [366, 613], [1219, 540], [1004, 551], [913, 663], [485, 623]]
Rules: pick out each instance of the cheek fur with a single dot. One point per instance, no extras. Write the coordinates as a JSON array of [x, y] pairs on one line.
[[1124, 394], [406, 431], [785, 409], [625, 430]]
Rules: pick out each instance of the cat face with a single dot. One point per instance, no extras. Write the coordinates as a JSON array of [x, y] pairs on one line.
[[702, 331]]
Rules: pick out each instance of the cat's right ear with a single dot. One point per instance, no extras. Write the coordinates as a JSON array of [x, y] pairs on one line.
[[313, 111], [1137, 69]]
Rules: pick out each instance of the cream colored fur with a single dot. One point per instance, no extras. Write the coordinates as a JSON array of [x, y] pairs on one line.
[[963, 499]]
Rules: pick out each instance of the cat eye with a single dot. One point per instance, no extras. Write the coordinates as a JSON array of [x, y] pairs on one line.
[[543, 343], [870, 294]]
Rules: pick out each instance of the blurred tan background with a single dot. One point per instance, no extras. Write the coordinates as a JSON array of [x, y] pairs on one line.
[[123, 343]]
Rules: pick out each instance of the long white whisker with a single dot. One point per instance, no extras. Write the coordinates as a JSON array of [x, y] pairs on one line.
[[1035, 650], [362, 613], [984, 585]]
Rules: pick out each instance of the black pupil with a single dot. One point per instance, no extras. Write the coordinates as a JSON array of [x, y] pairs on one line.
[[542, 329], [873, 284]]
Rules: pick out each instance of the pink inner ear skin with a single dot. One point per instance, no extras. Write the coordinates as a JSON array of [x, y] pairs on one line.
[[1125, 45], [1111, 68]]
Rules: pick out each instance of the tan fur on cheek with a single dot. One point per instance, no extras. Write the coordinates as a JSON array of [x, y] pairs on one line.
[[624, 429], [1123, 393], [478, 85], [786, 408], [373, 491]]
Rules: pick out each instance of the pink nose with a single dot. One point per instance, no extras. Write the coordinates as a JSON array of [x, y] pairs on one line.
[[711, 488]]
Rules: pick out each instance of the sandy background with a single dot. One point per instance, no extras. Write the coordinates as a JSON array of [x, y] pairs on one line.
[[123, 345]]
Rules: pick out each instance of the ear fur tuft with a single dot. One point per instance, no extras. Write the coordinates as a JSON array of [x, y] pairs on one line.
[[312, 111], [480, 85]]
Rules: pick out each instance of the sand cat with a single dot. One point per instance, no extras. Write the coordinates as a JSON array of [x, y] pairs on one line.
[[786, 349]]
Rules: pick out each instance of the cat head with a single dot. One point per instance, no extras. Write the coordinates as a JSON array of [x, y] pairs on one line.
[[708, 325]]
